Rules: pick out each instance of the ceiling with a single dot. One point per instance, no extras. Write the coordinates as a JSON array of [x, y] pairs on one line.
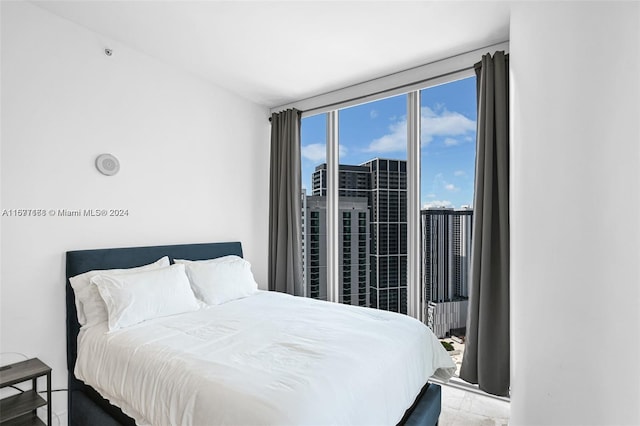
[[277, 52]]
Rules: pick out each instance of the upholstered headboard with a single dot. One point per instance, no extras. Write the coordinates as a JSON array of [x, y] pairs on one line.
[[82, 261]]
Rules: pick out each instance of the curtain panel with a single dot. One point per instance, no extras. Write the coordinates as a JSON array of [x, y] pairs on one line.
[[486, 360], [285, 229]]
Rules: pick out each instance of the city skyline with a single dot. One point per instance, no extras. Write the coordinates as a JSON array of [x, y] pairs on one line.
[[373, 235], [373, 259], [378, 130], [372, 245]]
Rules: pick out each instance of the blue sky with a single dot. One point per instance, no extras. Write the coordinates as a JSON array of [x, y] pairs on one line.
[[378, 129]]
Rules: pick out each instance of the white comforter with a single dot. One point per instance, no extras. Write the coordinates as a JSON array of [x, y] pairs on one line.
[[268, 359]]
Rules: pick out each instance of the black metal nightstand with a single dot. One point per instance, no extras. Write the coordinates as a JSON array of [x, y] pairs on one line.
[[21, 409]]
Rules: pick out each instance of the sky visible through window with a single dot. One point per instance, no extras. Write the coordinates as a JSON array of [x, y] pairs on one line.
[[379, 129]]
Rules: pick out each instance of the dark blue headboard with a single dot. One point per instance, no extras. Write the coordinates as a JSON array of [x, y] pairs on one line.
[[81, 261]]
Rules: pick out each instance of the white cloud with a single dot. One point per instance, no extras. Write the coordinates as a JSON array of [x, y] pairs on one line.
[[436, 204], [440, 182], [317, 152], [444, 123], [451, 187], [453, 126], [373, 113], [342, 151], [459, 173], [394, 141]]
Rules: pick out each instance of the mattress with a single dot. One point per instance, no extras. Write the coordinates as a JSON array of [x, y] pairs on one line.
[[267, 359]]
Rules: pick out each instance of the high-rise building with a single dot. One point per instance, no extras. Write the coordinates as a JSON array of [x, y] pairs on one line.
[[388, 201], [373, 244], [446, 257], [353, 249], [382, 184], [353, 181]]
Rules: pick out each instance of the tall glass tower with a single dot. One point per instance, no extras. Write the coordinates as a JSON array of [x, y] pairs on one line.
[[446, 258], [375, 192]]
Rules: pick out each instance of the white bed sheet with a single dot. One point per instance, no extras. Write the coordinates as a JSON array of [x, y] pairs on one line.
[[268, 359]]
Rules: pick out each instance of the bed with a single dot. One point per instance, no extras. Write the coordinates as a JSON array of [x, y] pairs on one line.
[[88, 406]]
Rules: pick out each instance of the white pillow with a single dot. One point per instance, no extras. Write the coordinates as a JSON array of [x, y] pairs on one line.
[[220, 280], [140, 296], [89, 304]]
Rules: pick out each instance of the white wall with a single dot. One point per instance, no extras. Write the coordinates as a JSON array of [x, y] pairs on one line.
[[194, 166], [575, 217]]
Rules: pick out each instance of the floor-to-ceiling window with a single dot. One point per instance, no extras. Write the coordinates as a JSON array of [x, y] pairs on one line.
[[372, 204], [448, 147], [314, 207], [372, 192]]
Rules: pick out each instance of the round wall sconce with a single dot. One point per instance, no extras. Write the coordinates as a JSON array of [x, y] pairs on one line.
[[107, 164]]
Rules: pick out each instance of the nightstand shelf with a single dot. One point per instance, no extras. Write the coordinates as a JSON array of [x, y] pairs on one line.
[[20, 409]]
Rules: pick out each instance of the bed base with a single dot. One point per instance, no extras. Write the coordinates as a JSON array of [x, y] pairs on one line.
[[87, 407]]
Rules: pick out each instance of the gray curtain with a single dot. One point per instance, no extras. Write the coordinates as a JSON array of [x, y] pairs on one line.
[[486, 355], [285, 229]]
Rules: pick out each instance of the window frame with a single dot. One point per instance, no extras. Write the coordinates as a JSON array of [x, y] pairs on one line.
[[410, 83]]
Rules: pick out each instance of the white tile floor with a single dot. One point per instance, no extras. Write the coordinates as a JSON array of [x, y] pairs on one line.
[[463, 408]]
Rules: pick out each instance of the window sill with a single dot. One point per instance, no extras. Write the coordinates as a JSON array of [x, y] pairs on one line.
[[458, 383]]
